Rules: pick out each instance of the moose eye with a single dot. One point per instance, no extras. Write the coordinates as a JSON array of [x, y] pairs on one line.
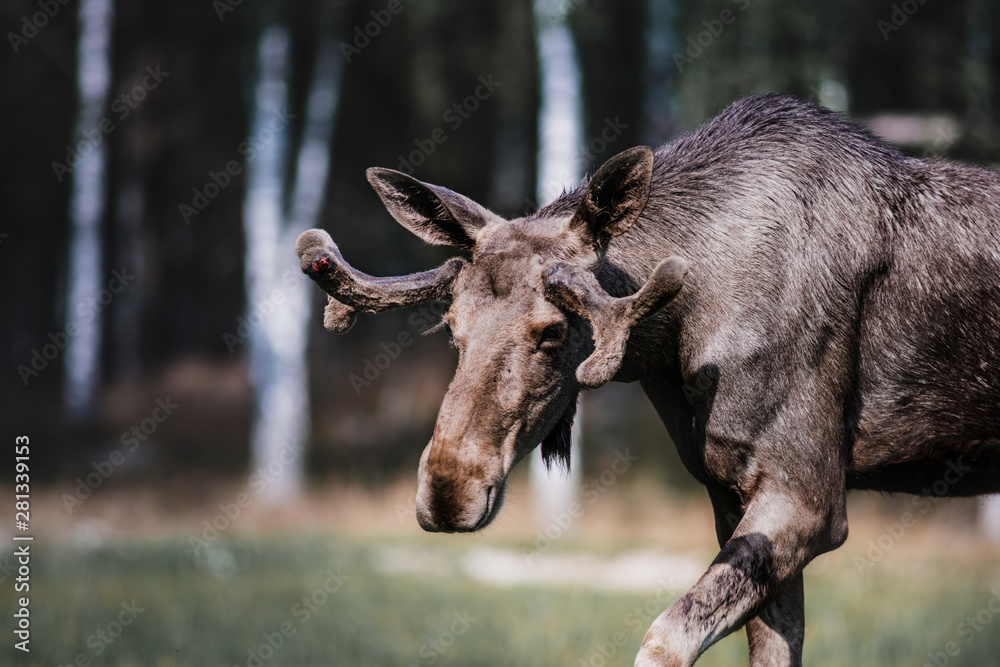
[[552, 334], [451, 338]]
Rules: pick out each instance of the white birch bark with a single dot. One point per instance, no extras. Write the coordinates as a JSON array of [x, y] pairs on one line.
[[87, 204]]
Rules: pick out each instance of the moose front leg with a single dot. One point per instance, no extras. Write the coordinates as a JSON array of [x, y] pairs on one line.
[[776, 633], [757, 574]]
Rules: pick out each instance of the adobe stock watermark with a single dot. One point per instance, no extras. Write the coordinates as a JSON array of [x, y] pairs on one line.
[[30, 25], [900, 14], [589, 152], [86, 312], [637, 620], [551, 14], [431, 651], [372, 368], [130, 441], [590, 492], [245, 327], [945, 135], [363, 36], [223, 7], [968, 629], [122, 106], [102, 638], [697, 44], [453, 117], [922, 504], [218, 181], [303, 611], [262, 311], [258, 481]]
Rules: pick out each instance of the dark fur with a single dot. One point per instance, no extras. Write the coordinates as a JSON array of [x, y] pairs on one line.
[[839, 328], [846, 300], [558, 444]]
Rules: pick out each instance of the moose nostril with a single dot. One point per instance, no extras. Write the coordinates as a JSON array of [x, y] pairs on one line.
[[486, 510]]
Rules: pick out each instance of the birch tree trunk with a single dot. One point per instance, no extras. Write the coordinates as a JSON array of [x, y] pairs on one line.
[[87, 204], [276, 297]]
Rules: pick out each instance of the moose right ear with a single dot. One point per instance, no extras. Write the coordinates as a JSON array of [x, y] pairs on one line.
[[435, 214], [615, 197]]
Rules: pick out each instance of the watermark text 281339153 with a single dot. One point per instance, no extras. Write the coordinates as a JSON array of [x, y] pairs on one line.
[[22, 521]]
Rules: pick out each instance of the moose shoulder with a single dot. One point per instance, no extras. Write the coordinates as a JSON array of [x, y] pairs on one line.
[[808, 309]]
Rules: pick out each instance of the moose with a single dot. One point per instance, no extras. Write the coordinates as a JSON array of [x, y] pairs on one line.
[[809, 310]]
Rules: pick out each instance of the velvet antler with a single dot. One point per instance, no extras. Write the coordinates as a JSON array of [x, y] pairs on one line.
[[576, 289], [351, 290]]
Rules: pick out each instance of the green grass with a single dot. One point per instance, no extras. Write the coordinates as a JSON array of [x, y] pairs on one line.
[[212, 610]]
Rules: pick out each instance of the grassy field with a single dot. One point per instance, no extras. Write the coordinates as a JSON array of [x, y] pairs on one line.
[[306, 599]]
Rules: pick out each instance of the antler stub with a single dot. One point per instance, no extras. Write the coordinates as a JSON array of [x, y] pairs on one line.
[[576, 289]]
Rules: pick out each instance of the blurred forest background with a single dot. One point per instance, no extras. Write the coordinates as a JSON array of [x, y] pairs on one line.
[[178, 107], [159, 160]]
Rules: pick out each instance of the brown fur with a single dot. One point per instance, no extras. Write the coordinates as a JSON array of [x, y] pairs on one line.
[[838, 329]]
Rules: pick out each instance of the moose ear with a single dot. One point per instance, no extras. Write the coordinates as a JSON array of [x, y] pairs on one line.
[[435, 214], [615, 197]]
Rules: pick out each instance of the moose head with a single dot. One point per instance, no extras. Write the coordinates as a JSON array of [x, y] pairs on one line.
[[529, 319]]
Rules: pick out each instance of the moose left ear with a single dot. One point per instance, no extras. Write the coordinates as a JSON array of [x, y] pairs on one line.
[[435, 214], [615, 197]]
